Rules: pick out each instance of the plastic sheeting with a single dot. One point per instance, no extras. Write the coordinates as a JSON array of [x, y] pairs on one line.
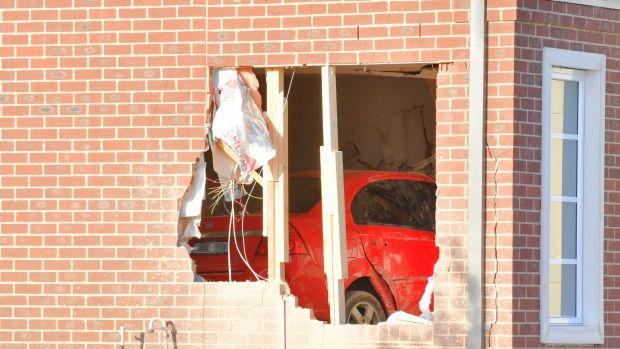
[[191, 205], [238, 122]]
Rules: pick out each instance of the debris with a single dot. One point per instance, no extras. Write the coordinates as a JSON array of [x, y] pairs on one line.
[[370, 147], [425, 301], [420, 166], [191, 204], [400, 317], [184, 244], [350, 151], [192, 199], [255, 176], [199, 278], [238, 143], [227, 171], [191, 231]]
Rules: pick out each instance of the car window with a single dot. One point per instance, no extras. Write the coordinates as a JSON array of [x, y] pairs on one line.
[[303, 193], [404, 203]]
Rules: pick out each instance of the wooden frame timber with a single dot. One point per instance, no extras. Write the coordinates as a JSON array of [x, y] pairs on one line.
[[275, 190], [332, 195], [275, 178]]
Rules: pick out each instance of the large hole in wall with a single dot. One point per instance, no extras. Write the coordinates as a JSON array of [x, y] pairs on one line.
[[384, 122], [386, 126]]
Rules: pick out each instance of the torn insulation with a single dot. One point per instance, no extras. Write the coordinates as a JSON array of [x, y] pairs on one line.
[[191, 204]]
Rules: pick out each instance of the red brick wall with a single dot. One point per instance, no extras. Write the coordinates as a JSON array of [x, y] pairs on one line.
[[451, 229], [366, 32], [102, 112], [276, 33], [500, 157], [572, 27]]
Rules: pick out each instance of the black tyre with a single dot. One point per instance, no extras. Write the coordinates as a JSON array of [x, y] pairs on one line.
[[363, 308]]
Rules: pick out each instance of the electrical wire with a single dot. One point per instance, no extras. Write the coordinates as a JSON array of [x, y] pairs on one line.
[[288, 91], [231, 222], [245, 256], [232, 231]]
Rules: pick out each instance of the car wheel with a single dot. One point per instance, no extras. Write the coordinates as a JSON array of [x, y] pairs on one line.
[[362, 307]]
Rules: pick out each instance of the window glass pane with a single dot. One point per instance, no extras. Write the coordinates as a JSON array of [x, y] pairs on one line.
[[380, 205], [563, 167], [563, 290], [563, 226], [396, 202], [418, 200], [564, 106]]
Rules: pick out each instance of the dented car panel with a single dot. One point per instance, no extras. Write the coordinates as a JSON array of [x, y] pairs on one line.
[[405, 273], [396, 258]]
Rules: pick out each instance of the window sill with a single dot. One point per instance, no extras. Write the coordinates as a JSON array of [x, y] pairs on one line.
[[615, 4], [570, 334]]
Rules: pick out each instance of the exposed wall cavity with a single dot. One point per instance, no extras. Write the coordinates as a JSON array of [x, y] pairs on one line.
[[384, 123]]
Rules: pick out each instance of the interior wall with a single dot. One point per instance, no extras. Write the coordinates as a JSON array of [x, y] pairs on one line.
[[381, 117]]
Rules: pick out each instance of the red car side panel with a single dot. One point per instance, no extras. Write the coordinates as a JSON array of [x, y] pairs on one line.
[[306, 277], [304, 273], [361, 267], [216, 229], [397, 264], [307, 281], [404, 258]]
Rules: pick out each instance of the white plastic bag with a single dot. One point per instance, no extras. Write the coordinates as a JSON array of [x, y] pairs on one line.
[[239, 123]]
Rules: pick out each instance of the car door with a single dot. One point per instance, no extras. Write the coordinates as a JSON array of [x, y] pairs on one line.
[[395, 222]]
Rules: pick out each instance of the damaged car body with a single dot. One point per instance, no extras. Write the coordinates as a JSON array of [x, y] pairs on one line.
[[367, 254], [391, 248]]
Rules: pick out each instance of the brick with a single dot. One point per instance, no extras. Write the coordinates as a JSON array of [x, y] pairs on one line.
[[95, 158]]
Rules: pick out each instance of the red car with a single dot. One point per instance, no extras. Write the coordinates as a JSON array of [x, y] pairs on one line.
[[390, 220]]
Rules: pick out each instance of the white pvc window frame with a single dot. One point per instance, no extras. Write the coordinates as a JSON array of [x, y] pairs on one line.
[[589, 69], [615, 4], [577, 76]]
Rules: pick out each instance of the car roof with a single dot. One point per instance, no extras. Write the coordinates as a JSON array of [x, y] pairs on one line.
[[356, 180], [370, 176]]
